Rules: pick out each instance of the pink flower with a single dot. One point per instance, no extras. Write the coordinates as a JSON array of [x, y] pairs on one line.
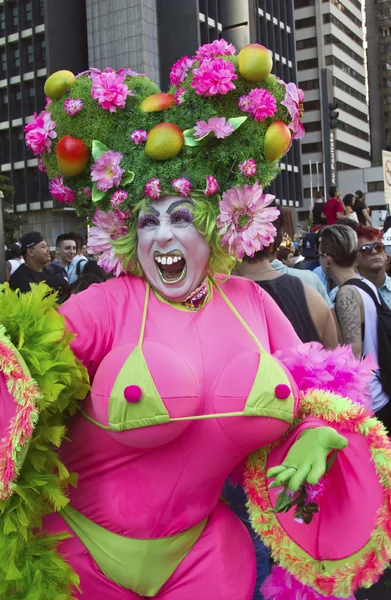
[[87, 192], [313, 492], [294, 102], [73, 106], [180, 70], [215, 49], [118, 197], [182, 186], [39, 133], [110, 90], [107, 227], [152, 188], [47, 102], [259, 103], [61, 192], [179, 96], [41, 165], [139, 136], [123, 215], [214, 76], [245, 222], [218, 125], [106, 170], [212, 186], [248, 168]]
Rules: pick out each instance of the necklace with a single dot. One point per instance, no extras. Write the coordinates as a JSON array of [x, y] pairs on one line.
[[198, 297]]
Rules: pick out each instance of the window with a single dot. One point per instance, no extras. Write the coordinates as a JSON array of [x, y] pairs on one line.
[[311, 63], [331, 39], [43, 49], [31, 98], [313, 126], [311, 148], [15, 19], [333, 60], [311, 84], [2, 22], [3, 105], [311, 105], [30, 54], [4, 146], [16, 102], [304, 3], [352, 111], [28, 13], [349, 90], [375, 186], [306, 168], [344, 167], [3, 64], [329, 18], [353, 131], [355, 3], [308, 43], [353, 150], [16, 58], [340, 5], [303, 23]]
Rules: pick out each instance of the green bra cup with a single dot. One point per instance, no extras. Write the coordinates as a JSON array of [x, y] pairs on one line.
[[150, 410]]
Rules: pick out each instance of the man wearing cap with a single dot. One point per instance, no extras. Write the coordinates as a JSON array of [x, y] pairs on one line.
[[36, 255], [309, 252], [361, 209]]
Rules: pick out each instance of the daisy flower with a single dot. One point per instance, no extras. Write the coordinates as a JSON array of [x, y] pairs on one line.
[[106, 227], [214, 76], [61, 192], [217, 125], [106, 170], [40, 133]]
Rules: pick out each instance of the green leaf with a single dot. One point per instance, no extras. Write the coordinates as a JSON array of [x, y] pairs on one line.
[[331, 461], [236, 122], [190, 140], [97, 194], [98, 148], [129, 176]]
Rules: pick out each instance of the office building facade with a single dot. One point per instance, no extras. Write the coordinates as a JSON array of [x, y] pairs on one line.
[[329, 35]]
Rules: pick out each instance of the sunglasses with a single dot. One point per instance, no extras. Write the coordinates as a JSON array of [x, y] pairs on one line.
[[378, 247]]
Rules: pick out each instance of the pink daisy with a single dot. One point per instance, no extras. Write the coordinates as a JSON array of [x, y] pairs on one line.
[[106, 227], [259, 103], [179, 96], [218, 125], [212, 186], [73, 106], [139, 136], [215, 49], [182, 186], [39, 133], [152, 188], [123, 215], [214, 76], [106, 170], [41, 165], [294, 102], [180, 70], [248, 168], [87, 192], [61, 192], [118, 197], [245, 221], [110, 90]]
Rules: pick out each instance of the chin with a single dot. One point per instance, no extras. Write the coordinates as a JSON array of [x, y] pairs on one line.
[[173, 292]]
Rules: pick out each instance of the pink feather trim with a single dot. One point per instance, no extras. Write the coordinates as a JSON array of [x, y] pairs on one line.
[[281, 585], [336, 371]]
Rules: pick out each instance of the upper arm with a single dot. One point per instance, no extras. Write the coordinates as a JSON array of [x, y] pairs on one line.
[[322, 317], [7, 271], [348, 308], [340, 215]]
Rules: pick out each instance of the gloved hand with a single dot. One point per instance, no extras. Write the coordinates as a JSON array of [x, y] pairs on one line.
[[306, 461]]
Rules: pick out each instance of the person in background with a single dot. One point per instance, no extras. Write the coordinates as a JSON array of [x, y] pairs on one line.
[[333, 209], [92, 273], [36, 256], [361, 209], [66, 252], [356, 311], [387, 235], [14, 258], [316, 212], [75, 268], [309, 253], [285, 255], [350, 213], [372, 261]]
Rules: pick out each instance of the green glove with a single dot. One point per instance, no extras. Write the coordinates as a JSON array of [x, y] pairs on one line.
[[307, 459]]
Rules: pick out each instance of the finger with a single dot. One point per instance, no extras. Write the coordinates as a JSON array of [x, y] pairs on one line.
[[340, 442], [282, 478], [274, 471], [299, 478], [318, 469]]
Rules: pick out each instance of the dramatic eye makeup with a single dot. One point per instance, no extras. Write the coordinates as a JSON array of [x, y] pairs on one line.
[[181, 216], [147, 220]]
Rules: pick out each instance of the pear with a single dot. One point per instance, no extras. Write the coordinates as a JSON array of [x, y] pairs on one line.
[[164, 141], [255, 63], [58, 83]]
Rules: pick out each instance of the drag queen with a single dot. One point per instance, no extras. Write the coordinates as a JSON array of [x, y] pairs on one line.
[[123, 413]]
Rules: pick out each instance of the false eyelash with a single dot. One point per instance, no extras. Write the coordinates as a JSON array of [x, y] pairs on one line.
[[182, 213], [147, 220]]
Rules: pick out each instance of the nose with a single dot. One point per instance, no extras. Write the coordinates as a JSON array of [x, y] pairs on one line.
[[163, 234]]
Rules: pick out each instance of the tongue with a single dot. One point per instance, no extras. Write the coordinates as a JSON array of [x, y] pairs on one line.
[[175, 268]]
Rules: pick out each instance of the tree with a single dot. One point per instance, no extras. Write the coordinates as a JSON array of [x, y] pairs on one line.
[[12, 221]]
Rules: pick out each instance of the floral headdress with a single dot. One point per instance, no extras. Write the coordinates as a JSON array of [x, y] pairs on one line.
[[109, 140]]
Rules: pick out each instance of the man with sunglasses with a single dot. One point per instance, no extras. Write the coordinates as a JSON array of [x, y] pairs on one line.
[[372, 261]]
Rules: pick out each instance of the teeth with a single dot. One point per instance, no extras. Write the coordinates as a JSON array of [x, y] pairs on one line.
[[169, 260], [164, 260], [175, 259]]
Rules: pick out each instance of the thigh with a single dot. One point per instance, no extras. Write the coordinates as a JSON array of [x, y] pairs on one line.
[[221, 565], [94, 585]]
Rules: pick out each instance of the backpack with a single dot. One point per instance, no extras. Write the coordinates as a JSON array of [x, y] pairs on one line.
[[383, 334]]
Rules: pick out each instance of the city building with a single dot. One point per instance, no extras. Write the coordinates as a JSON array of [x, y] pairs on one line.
[[188, 24], [33, 36], [330, 41], [378, 21]]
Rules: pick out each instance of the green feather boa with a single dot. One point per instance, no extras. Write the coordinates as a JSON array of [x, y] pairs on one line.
[[30, 566]]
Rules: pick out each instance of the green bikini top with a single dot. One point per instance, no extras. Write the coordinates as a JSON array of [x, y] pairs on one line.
[[150, 410]]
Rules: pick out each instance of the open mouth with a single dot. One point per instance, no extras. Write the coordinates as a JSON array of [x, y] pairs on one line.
[[171, 266]]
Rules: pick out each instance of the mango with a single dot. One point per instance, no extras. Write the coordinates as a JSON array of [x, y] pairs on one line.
[[72, 156], [277, 141], [157, 102], [58, 83], [255, 63], [164, 141]]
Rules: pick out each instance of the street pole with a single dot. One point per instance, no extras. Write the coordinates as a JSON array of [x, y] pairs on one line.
[[2, 243]]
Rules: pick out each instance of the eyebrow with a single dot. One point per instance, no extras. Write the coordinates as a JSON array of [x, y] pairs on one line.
[[153, 211], [178, 203]]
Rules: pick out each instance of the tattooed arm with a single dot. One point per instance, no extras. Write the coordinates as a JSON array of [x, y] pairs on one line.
[[349, 310]]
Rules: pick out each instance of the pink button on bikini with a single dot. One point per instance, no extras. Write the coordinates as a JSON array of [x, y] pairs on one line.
[[282, 391], [133, 393]]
